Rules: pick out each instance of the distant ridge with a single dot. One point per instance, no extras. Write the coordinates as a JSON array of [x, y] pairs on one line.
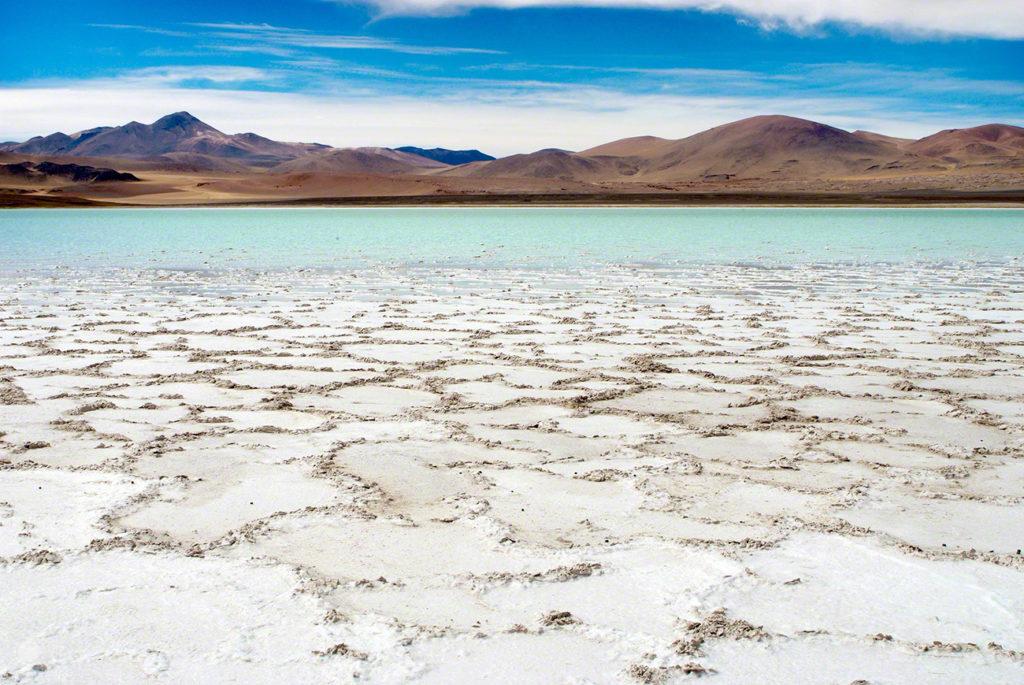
[[769, 148], [180, 141], [453, 157], [758, 151], [179, 132], [366, 160]]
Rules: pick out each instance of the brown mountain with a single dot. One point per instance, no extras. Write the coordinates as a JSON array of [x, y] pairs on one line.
[[180, 159], [366, 160], [640, 146], [175, 133], [988, 144], [553, 164], [767, 146], [771, 147]]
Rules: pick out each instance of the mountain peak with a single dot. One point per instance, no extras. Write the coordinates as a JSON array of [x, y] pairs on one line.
[[778, 123], [181, 121]]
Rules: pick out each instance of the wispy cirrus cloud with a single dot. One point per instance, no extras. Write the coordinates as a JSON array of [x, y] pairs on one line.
[[1001, 19], [862, 77], [881, 77], [209, 75], [267, 34], [272, 50], [680, 72], [284, 41], [155, 30]]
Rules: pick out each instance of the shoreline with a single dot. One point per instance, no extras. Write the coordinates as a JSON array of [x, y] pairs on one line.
[[999, 199]]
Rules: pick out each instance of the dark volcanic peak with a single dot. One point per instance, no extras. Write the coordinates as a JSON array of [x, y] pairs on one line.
[[445, 156]]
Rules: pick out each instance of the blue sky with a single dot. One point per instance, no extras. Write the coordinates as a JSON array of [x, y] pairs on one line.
[[509, 75]]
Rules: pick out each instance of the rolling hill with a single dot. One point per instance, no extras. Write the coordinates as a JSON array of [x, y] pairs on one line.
[[445, 156], [770, 147], [767, 146], [366, 160], [639, 146], [992, 143], [551, 164]]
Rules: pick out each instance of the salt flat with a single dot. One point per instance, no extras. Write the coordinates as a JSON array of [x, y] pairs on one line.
[[442, 476]]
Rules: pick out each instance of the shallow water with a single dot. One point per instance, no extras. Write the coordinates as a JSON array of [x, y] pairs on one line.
[[343, 238]]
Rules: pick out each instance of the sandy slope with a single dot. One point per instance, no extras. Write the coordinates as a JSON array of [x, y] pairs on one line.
[[639, 146], [797, 476], [178, 187], [899, 143]]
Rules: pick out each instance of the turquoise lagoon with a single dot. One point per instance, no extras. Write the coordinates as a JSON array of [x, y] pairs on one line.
[[345, 238]]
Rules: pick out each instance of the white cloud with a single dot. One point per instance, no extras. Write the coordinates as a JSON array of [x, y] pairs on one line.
[[496, 122], [1003, 19]]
